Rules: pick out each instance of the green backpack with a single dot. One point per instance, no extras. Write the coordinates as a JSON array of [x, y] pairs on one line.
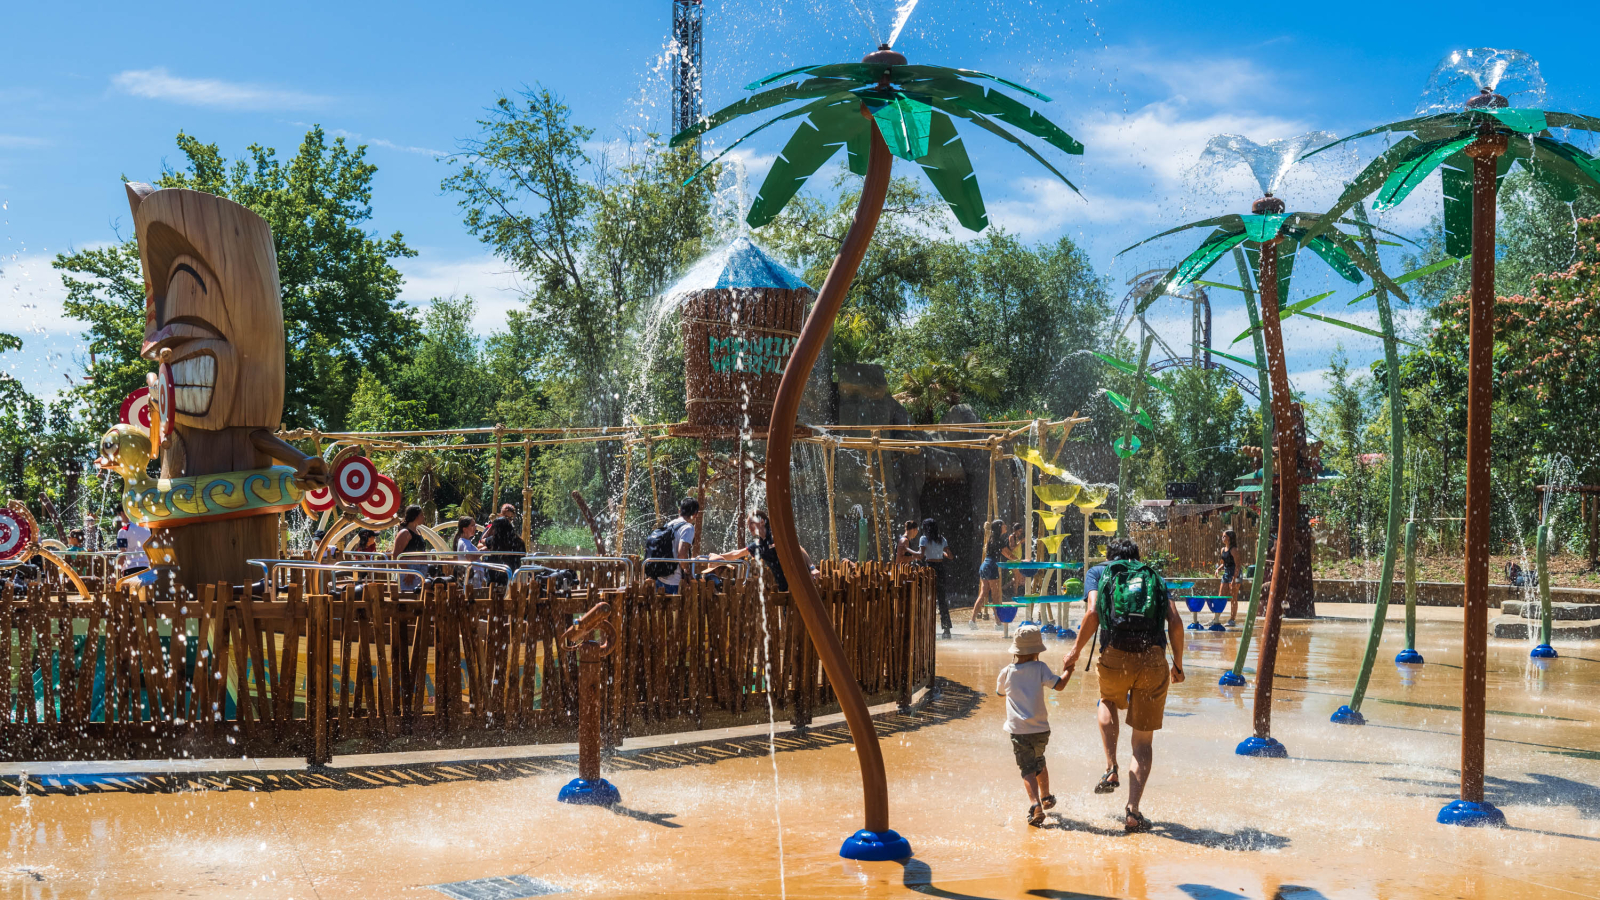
[[1132, 606]]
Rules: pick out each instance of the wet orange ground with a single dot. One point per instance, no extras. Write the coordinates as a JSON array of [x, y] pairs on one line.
[[1350, 815]]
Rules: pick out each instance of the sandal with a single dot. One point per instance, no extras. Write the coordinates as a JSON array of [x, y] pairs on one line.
[[1035, 815], [1108, 782], [1140, 823], [1048, 801]]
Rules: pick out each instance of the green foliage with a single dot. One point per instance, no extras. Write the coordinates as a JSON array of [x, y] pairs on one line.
[[341, 307]]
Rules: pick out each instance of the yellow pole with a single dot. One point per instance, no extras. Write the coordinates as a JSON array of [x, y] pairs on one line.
[[655, 495]]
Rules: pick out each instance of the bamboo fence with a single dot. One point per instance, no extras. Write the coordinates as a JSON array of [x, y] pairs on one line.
[[226, 672]]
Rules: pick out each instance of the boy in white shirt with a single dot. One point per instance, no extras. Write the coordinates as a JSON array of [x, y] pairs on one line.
[[1027, 720]]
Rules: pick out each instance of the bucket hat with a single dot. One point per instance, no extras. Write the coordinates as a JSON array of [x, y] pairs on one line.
[[1027, 640]]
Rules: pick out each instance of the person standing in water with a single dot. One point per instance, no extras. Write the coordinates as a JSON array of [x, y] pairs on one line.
[[989, 572], [1228, 572], [935, 552]]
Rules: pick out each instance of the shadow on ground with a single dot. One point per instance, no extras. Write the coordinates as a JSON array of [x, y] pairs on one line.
[[953, 701]]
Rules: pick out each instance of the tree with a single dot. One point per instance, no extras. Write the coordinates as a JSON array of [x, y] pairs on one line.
[[445, 370], [858, 106], [341, 306], [930, 388]]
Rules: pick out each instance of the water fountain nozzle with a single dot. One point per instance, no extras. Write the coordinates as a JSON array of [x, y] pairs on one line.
[[883, 56], [1488, 99], [1267, 204]]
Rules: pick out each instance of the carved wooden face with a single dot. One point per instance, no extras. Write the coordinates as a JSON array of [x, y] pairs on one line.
[[212, 312]]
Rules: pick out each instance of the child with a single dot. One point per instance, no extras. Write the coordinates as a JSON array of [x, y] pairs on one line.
[[1027, 721]]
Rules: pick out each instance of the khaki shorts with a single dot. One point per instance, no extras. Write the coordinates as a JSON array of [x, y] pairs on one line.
[[1136, 682], [1029, 751]]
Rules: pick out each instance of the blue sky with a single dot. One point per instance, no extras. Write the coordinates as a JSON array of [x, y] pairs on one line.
[[89, 93]]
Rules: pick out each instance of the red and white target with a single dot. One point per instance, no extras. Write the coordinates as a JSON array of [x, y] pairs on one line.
[[354, 480], [165, 415], [384, 503], [16, 534], [319, 500], [136, 409]]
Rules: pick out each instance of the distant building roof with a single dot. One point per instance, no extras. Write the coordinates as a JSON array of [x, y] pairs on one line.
[[738, 264]]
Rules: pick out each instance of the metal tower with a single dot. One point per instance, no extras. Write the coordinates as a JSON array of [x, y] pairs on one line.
[[686, 50]]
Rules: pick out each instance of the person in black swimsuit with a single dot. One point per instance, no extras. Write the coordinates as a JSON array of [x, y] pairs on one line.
[[1228, 572]]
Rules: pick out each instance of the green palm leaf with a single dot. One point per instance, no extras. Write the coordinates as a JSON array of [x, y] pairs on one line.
[[816, 87], [1565, 170], [831, 99], [1286, 312], [813, 143], [1370, 179], [988, 125], [1263, 227], [1231, 222], [1205, 256], [1287, 251], [1414, 274], [1230, 357], [1131, 369], [1353, 327], [1434, 127], [992, 102], [1522, 121], [1335, 258], [904, 123], [1572, 120], [948, 168], [1417, 165]]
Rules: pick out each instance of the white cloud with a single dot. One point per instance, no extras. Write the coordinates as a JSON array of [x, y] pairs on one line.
[[1164, 139], [21, 142], [159, 84], [32, 294], [1205, 79], [488, 280], [381, 142]]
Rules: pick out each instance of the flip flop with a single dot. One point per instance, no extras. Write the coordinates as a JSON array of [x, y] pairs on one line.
[[1108, 782], [1048, 801], [1035, 815], [1140, 823]]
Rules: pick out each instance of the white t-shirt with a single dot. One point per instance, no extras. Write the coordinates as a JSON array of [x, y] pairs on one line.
[[684, 532], [1023, 684], [933, 551], [474, 574], [134, 556]]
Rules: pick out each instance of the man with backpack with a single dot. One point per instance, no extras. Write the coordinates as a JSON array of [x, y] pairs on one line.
[[674, 540], [1135, 621]]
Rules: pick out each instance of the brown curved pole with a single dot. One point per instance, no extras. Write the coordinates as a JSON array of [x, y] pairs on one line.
[[1480, 402], [780, 435], [1288, 455]]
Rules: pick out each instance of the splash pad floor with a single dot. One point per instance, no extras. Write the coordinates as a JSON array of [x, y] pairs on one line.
[[1348, 815]]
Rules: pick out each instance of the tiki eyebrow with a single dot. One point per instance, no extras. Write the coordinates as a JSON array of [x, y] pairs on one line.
[[185, 267]]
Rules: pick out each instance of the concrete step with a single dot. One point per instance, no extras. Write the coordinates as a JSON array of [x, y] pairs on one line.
[[1518, 628], [1558, 611]]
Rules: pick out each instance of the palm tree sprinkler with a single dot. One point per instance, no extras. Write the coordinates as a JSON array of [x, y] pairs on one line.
[[1475, 148], [1271, 237], [876, 109]]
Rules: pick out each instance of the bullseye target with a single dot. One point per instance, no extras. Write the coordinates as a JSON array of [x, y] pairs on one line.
[[316, 501], [16, 533], [384, 502], [136, 409], [354, 480], [165, 415]]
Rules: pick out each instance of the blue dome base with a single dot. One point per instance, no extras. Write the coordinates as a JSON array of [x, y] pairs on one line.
[[1344, 715], [1065, 632], [1217, 626], [876, 846], [1266, 747], [599, 792], [1543, 651], [1195, 626], [1408, 657], [1471, 815], [1231, 679]]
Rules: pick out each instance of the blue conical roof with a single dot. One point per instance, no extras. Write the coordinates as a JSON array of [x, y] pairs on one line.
[[739, 264]]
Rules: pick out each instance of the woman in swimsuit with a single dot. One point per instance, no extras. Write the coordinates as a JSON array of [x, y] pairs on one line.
[[1228, 572]]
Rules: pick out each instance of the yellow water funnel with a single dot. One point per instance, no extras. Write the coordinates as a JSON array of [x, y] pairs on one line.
[[1091, 496], [1058, 496], [1106, 525]]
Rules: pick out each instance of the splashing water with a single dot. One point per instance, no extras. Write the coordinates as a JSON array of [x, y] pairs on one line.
[[1268, 162], [902, 12], [1464, 73], [772, 731]]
